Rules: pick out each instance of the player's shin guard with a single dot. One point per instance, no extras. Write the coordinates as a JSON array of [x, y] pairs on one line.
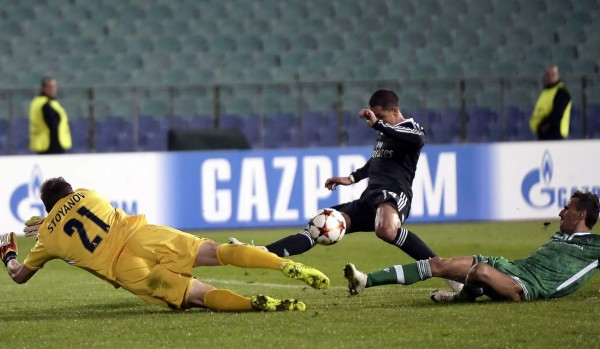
[[248, 257], [225, 300], [292, 245], [412, 245]]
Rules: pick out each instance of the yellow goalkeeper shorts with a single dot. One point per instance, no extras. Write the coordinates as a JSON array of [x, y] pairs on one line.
[[156, 264]]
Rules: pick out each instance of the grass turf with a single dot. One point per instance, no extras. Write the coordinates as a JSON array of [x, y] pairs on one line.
[[64, 306]]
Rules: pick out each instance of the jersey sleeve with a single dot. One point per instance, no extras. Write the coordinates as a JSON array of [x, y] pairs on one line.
[[405, 132], [37, 257], [362, 172]]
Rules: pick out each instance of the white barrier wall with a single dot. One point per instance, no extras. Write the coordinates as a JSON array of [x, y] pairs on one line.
[[277, 188], [535, 180], [133, 182]]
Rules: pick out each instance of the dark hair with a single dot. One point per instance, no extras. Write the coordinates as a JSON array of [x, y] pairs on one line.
[[53, 190], [589, 203], [386, 99]]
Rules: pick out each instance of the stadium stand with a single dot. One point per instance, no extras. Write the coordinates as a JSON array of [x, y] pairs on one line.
[[185, 44]]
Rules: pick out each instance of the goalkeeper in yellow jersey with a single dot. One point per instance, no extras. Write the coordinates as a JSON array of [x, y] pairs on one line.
[[151, 261]]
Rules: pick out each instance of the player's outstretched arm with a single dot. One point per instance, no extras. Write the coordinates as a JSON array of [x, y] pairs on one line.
[[19, 272], [333, 182]]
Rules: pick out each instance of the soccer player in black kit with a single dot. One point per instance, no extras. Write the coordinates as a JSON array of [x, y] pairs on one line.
[[385, 204]]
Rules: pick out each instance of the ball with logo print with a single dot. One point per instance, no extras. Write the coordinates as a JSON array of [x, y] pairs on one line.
[[327, 226]]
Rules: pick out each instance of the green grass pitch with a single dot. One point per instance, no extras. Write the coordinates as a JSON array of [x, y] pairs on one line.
[[65, 307]]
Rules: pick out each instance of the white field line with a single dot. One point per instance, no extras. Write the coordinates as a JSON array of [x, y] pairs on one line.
[[275, 285]]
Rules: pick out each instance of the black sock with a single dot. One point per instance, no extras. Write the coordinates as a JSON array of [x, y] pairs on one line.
[[412, 245], [292, 245]]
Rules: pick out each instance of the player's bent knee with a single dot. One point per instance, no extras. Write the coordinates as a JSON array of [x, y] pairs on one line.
[[480, 272], [386, 234], [207, 254]]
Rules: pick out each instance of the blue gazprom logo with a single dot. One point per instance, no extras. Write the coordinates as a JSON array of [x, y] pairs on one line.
[[25, 200], [538, 192], [536, 177]]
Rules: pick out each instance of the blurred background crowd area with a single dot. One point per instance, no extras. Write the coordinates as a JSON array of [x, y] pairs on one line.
[[293, 73]]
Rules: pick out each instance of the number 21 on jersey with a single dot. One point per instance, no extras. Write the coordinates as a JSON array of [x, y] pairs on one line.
[[75, 225]]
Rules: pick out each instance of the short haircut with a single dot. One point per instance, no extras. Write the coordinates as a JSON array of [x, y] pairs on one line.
[[45, 80], [589, 203], [386, 99], [43, 83], [53, 190]]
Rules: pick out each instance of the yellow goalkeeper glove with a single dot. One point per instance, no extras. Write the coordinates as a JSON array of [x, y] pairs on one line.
[[33, 225]]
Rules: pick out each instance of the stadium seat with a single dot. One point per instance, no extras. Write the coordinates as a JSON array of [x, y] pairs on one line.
[[219, 44], [348, 9], [532, 6], [249, 42], [20, 139], [193, 44], [585, 5], [113, 45], [319, 129], [331, 41], [593, 119], [576, 124], [464, 38], [141, 45], [366, 72], [414, 39], [451, 70], [4, 137], [113, 134], [422, 71], [167, 43], [585, 67], [385, 40], [158, 12], [151, 141], [79, 134], [441, 36], [201, 121], [144, 77], [479, 125], [293, 59], [274, 42], [281, 130]]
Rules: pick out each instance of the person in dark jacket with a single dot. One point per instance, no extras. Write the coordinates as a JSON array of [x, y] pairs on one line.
[[551, 116]]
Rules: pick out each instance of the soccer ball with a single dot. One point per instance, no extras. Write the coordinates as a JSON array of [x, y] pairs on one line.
[[327, 226]]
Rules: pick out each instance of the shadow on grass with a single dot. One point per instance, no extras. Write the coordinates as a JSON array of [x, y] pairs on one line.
[[117, 309]]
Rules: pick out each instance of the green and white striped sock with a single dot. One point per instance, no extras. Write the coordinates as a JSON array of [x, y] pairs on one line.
[[406, 274]]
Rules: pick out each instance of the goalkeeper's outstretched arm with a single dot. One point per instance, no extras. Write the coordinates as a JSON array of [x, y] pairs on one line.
[[19, 272]]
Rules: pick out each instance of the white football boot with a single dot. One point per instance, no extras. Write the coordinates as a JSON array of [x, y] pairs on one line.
[[357, 280]]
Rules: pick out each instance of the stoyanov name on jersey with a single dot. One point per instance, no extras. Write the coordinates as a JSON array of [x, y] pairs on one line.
[[66, 207]]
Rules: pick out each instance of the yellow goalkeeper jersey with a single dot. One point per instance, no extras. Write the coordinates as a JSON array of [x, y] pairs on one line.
[[84, 230]]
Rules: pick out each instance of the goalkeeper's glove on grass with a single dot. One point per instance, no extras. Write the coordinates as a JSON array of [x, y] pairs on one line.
[[8, 247]]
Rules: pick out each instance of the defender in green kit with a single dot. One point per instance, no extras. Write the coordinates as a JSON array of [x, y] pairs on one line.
[[558, 268]]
